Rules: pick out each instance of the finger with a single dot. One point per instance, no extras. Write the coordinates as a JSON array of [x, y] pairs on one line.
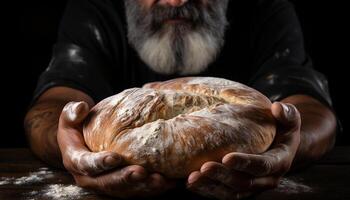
[[159, 181], [131, 181], [69, 134], [218, 172], [193, 177], [286, 114], [204, 186], [238, 182], [256, 165], [74, 113], [277, 159], [288, 127], [77, 158], [88, 163], [118, 179]]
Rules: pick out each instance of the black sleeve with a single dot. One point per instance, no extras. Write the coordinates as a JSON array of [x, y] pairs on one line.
[[282, 66], [79, 59]]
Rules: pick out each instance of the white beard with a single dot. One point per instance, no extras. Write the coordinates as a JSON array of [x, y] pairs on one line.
[[199, 50]]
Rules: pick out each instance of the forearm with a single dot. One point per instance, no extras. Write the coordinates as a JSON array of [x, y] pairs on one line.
[[41, 124], [318, 129]]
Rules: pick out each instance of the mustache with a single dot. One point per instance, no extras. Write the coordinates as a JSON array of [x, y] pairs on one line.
[[191, 12]]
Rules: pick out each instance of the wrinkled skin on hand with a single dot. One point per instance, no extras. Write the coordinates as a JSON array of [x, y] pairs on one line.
[[104, 172], [241, 175]]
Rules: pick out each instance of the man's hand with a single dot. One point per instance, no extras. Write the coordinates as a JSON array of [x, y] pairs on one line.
[[241, 175], [102, 171]]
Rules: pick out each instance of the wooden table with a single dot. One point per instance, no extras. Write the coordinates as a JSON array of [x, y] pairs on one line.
[[328, 179]]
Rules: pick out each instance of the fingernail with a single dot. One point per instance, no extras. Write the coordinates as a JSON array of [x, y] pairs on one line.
[[137, 176], [192, 178], [70, 110], [286, 109], [111, 161]]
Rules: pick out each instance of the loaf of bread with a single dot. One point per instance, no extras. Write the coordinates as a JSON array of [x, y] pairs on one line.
[[173, 127]]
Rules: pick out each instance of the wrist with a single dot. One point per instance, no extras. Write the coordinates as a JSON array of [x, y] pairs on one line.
[[41, 124]]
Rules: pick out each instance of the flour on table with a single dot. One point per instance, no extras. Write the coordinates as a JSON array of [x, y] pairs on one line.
[[63, 192], [33, 177], [58, 192], [290, 186], [5, 180], [51, 191]]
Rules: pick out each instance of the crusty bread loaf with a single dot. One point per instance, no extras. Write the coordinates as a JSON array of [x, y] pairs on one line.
[[173, 127]]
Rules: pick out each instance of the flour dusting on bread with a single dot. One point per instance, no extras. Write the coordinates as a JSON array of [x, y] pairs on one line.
[[173, 127]]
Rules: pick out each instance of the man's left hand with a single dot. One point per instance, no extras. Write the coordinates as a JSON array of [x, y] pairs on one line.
[[241, 175]]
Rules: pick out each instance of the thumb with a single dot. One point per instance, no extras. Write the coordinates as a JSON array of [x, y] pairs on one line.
[[286, 114], [74, 113], [76, 156]]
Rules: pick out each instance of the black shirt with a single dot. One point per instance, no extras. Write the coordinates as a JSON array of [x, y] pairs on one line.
[[264, 49]]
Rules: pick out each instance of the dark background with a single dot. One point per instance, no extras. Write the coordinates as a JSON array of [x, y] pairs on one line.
[[30, 31]]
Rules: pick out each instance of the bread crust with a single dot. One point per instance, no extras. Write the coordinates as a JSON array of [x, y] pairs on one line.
[[173, 127]]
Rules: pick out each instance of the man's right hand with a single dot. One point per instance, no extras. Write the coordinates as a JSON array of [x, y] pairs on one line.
[[104, 172]]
